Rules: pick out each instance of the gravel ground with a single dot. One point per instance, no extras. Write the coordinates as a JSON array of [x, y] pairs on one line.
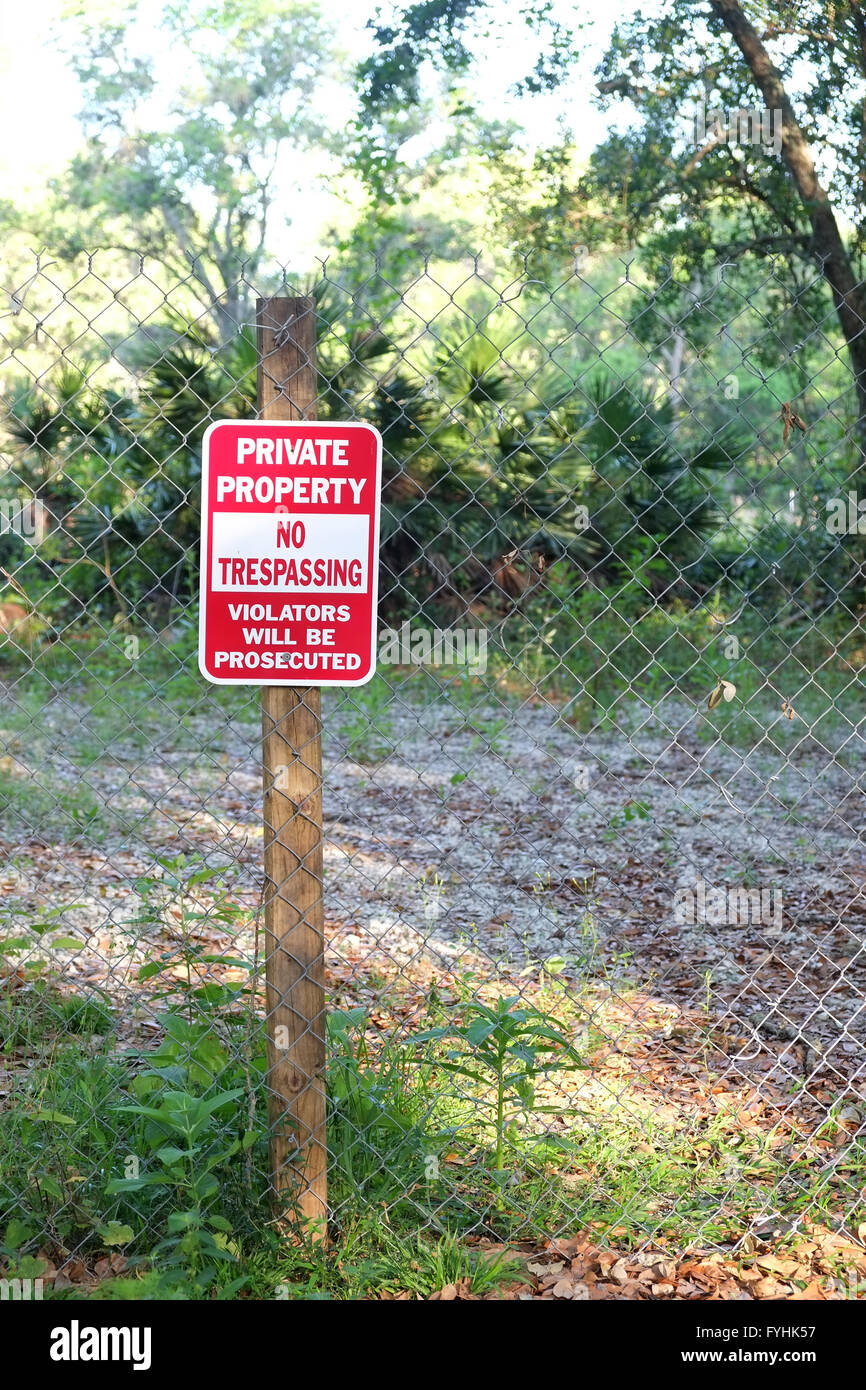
[[504, 832]]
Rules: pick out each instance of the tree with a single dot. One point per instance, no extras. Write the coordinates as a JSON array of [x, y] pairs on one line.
[[190, 178], [483, 472], [733, 194], [120, 475], [774, 206]]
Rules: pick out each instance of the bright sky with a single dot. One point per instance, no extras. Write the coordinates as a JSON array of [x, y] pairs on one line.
[[39, 96]]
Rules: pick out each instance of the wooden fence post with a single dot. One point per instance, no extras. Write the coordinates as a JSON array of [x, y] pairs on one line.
[[292, 814]]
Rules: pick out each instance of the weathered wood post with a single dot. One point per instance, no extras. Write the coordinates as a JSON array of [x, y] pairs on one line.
[[292, 813]]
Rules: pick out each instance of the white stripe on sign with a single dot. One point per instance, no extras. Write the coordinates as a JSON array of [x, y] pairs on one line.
[[283, 550]]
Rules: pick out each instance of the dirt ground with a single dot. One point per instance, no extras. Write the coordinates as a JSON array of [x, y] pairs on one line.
[[471, 834], [508, 837]]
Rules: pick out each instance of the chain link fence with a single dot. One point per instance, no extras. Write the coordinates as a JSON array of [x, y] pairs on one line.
[[593, 834]]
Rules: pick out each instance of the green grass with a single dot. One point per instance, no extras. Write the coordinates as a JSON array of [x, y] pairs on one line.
[[41, 1015], [606, 660], [417, 1177], [28, 800], [417, 1174]]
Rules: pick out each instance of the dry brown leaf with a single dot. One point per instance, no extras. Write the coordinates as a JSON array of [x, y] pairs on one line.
[[791, 419], [725, 690], [772, 1264], [768, 1287], [619, 1273], [813, 1290], [446, 1294]]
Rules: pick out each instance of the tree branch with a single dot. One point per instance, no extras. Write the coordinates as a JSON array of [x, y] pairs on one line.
[[827, 244]]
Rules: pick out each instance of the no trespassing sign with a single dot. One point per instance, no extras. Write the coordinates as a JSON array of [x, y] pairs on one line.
[[289, 552]]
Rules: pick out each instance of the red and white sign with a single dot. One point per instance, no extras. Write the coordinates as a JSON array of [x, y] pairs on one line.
[[289, 552]]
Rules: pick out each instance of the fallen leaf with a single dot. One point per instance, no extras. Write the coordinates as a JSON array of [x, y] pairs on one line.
[[619, 1272], [769, 1288]]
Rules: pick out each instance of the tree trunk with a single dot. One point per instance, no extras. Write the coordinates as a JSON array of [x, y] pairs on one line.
[[827, 244]]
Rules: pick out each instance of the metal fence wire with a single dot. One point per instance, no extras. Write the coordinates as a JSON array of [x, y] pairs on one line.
[[594, 874]]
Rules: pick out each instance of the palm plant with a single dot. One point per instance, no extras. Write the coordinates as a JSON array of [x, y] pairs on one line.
[[640, 478], [486, 458]]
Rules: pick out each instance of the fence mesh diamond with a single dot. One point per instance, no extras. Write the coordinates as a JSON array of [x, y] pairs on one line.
[[593, 881]]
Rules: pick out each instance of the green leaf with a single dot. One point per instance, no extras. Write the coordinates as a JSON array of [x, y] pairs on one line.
[[430, 1035], [132, 1184], [155, 968], [229, 1290], [170, 1155], [480, 1030], [116, 1233], [223, 1098], [148, 1112], [183, 1221], [202, 876], [51, 1186], [18, 1232], [205, 1186]]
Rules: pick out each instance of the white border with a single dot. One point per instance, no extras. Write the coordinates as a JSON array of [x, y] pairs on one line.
[[204, 559]]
